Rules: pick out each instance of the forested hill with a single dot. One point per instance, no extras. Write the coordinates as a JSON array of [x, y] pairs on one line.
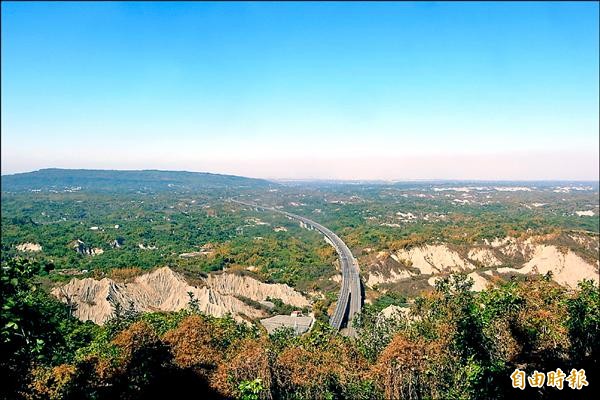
[[124, 181]]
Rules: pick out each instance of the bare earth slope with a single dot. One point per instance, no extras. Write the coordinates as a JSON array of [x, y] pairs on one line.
[[165, 290], [534, 255]]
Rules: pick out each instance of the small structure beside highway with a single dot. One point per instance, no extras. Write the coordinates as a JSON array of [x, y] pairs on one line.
[[296, 320]]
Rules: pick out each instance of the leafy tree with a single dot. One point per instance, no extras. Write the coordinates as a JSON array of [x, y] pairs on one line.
[[251, 390], [583, 325], [374, 332], [35, 328]]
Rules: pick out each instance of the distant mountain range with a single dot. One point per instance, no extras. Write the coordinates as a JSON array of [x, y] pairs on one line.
[[124, 181]]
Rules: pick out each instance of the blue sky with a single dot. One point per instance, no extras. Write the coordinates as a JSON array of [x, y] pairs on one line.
[[304, 90]]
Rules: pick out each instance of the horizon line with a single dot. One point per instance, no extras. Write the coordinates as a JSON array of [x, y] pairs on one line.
[[394, 180]]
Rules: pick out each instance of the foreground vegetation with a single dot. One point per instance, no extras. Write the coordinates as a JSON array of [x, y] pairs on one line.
[[454, 344]]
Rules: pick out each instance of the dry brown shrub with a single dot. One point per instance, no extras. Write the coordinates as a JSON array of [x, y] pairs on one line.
[[312, 370], [104, 368], [50, 383], [544, 314], [401, 367], [249, 360], [238, 269], [298, 367], [139, 335], [506, 346], [124, 275], [191, 344]]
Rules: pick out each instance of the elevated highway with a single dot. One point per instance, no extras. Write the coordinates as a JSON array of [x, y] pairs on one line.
[[350, 298]]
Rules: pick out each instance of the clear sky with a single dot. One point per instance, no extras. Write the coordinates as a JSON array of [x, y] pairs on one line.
[[304, 90]]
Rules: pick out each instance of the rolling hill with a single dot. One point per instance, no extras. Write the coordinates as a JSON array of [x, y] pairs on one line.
[[124, 181]]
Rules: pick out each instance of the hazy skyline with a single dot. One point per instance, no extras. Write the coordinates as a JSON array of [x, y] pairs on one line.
[[304, 90]]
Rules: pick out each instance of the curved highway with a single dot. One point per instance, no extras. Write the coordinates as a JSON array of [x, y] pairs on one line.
[[350, 298]]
